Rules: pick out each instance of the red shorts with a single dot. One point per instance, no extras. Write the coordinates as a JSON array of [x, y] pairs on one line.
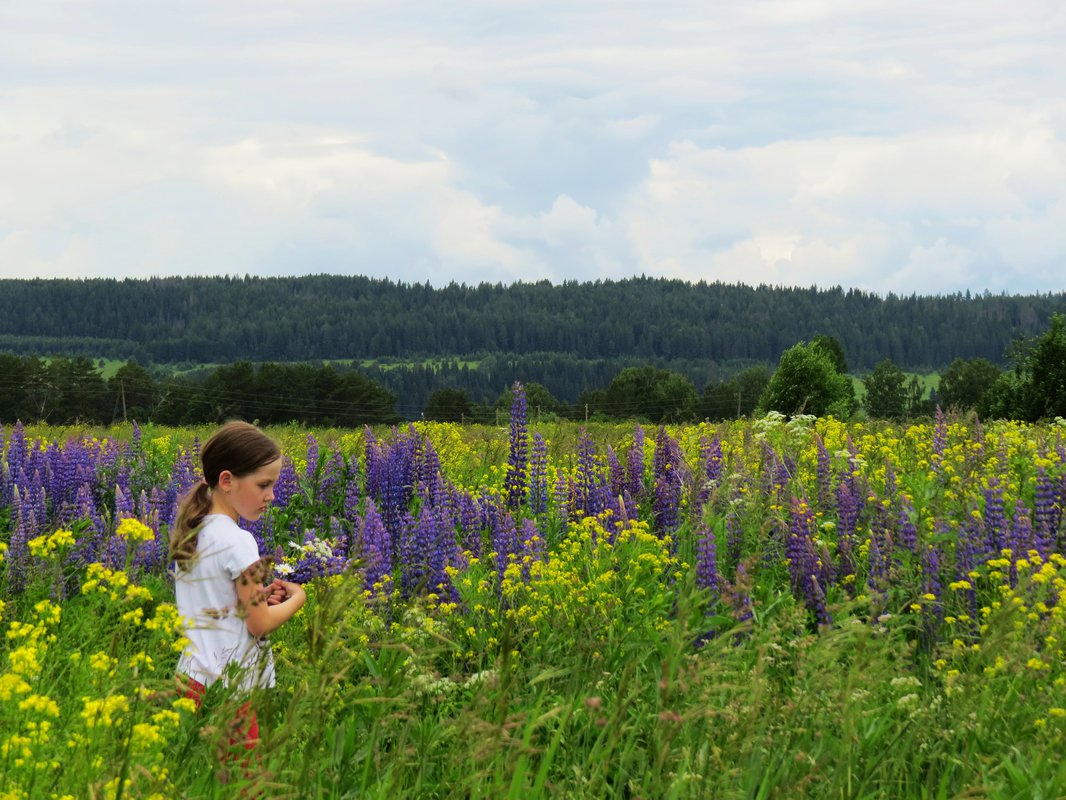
[[245, 725]]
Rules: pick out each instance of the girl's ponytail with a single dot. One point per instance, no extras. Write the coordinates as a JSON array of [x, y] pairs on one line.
[[183, 536]]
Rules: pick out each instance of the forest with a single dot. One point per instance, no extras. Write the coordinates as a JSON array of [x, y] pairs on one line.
[[347, 351], [668, 323]]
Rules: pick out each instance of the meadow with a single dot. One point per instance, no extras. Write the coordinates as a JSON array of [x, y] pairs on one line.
[[760, 609]]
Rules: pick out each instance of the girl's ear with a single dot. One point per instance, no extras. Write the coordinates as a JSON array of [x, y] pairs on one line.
[[225, 480]]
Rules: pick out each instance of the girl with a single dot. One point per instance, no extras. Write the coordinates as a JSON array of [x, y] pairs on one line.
[[219, 580]]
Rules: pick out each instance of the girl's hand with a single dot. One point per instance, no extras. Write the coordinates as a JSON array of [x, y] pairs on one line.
[[291, 590], [275, 593], [262, 618]]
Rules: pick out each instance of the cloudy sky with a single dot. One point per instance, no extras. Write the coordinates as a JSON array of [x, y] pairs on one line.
[[889, 145]]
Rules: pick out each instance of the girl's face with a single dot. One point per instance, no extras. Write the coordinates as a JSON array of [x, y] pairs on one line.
[[249, 495]]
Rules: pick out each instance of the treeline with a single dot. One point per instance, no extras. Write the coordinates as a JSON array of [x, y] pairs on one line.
[[810, 378], [72, 389], [219, 320]]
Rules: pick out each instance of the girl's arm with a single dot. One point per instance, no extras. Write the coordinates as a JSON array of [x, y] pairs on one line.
[[260, 617]]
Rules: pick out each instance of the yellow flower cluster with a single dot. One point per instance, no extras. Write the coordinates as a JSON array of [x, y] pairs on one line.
[[44, 545], [104, 712], [134, 530]]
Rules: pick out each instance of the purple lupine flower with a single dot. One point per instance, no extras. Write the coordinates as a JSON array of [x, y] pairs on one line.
[[538, 476], [407, 552], [940, 438], [504, 542], [531, 546], [708, 472], [311, 470], [848, 509], [908, 532], [33, 500], [931, 583], [669, 477], [799, 549], [351, 500], [441, 551], [635, 465], [428, 468], [995, 519], [880, 545], [777, 470], [123, 503], [288, 484], [376, 550], [816, 601], [1046, 514], [373, 465], [707, 560], [318, 560], [17, 450], [390, 475], [470, 522], [586, 499], [24, 528], [515, 484], [333, 477]]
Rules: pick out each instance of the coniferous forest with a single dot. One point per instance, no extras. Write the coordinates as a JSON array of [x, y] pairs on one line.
[[344, 350]]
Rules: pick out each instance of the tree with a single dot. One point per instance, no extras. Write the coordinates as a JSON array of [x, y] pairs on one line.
[[965, 381], [735, 398], [1036, 387], [806, 381], [539, 400], [80, 394], [1043, 384], [21, 391], [834, 349], [134, 392], [448, 405], [918, 405], [657, 395], [886, 395]]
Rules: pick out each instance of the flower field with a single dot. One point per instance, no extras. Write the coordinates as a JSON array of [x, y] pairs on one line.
[[773, 608]]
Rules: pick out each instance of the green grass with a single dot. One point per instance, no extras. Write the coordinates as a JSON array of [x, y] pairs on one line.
[[928, 381]]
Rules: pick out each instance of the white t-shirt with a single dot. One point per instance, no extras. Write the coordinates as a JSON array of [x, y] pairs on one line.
[[207, 599]]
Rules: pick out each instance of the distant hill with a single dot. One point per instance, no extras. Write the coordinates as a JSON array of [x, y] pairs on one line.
[[213, 320]]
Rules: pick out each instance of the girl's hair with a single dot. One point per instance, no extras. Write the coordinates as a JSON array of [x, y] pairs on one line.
[[238, 447]]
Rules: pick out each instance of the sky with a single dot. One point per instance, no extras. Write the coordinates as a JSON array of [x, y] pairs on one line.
[[886, 145]]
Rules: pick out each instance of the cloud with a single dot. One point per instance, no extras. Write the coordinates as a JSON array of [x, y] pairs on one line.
[[927, 212], [892, 145]]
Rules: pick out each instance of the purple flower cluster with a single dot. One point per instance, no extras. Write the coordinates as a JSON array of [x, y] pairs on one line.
[[669, 480], [707, 576], [515, 484], [635, 465], [538, 476], [810, 570]]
